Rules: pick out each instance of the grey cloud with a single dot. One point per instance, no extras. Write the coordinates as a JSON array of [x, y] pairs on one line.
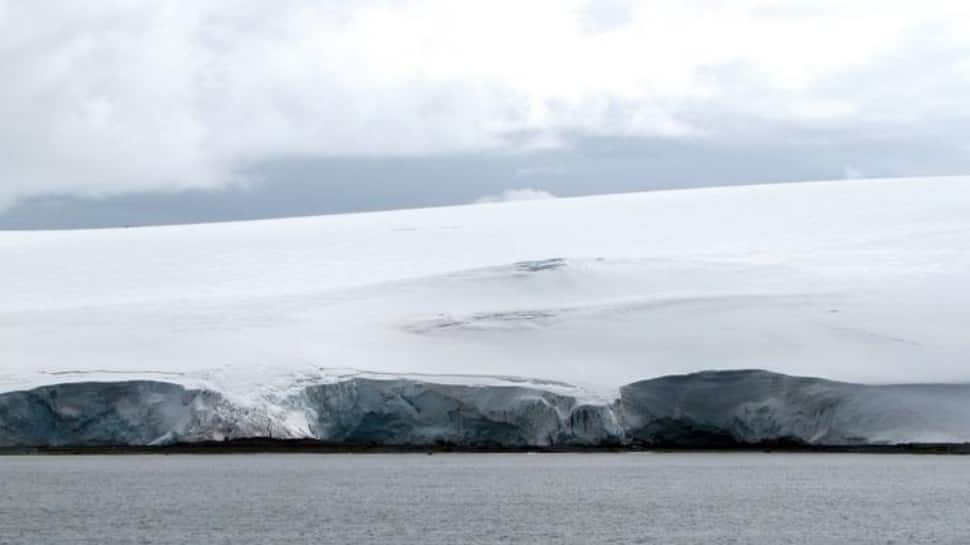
[[766, 152], [116, 113]]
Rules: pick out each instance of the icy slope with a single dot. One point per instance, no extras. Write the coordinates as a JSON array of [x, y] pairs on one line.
[[855, 281]]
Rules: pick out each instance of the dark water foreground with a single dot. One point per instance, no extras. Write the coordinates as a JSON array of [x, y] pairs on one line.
[[678, 498]]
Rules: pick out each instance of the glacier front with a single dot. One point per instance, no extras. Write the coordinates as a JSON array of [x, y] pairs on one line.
[[716, 408]]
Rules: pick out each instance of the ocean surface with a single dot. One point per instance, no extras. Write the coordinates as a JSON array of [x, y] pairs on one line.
[[710, 498]]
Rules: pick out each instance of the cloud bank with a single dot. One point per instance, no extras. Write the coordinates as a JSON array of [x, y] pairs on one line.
[[111, 97], [516, 195]]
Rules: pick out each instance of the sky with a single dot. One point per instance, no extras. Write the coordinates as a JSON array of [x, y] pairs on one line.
[[136, 112]]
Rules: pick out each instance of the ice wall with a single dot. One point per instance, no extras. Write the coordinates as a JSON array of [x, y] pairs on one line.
[[717, 408]]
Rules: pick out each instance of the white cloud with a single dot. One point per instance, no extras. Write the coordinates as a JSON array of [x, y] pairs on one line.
[[605, 15], [849, 172], [111, 96], [516, 195]]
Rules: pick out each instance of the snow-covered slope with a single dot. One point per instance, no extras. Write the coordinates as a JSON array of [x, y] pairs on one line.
[[861, 281]]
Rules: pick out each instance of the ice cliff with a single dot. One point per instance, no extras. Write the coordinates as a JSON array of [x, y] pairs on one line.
[[700, 409]]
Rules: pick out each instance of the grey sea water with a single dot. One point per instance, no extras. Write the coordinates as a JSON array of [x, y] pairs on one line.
[[706, 498]]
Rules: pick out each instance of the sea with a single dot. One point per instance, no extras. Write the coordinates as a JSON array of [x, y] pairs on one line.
[[466, 499]]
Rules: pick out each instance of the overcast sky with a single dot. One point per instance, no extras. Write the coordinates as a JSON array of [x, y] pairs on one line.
[[129, 113]]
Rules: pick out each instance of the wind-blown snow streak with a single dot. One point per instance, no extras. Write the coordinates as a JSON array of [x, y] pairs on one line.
[[861, 281]]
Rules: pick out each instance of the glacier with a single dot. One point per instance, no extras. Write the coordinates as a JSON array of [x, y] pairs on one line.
[[521, 323], [713, 408]]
